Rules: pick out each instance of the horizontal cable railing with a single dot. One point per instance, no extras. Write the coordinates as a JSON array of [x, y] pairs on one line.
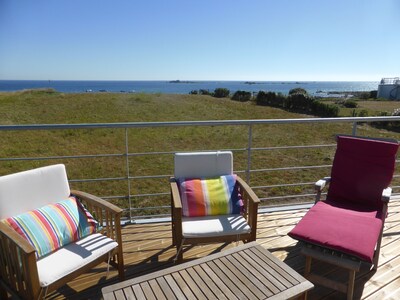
[[283, 192]]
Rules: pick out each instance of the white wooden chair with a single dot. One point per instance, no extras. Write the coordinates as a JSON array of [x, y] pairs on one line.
[[21, 273], [210, 228]]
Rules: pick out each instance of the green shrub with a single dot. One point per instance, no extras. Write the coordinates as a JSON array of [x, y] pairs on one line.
[[271, 99], [204, 92], [221, 93], [241, 96], [299, 102], [193, 92], [373, 94], [364, 95], [298, 91], [321, 109], [350, 104]]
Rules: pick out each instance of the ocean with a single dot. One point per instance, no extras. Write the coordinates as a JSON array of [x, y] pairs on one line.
[[319, 88]]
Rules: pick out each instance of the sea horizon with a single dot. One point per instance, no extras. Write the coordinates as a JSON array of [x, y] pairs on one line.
[[186, 86]]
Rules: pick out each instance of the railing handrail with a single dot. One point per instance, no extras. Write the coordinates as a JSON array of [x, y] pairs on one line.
[[196, 123], [391, 80]]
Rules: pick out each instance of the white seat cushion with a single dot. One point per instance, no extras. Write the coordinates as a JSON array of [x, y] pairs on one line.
[[210, 226], [73, 256]]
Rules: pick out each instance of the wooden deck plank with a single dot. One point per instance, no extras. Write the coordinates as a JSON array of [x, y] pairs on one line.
[[148, 248]]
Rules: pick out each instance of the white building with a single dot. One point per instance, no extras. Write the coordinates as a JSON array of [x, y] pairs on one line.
[[389, 88]]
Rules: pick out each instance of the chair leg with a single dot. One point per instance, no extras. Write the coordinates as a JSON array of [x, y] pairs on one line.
[[307, 268], [350, 287], [121, 272], [3, 293], [179, 251]]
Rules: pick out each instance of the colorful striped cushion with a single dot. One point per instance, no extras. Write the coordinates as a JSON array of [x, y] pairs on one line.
[[210, 196], [53, 226]]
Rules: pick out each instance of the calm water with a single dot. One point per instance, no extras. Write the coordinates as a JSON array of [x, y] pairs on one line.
[[312, 87]]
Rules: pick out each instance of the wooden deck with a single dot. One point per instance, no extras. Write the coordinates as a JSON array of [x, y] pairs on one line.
[[147, 248]]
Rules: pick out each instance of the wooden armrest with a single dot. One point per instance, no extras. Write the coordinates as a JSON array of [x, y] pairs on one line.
[[386, 194], [320, 184], [176, 198], [176, 213], [19, 241], [97, 202], [18, 267], [252, 202], [107, 214], [248, 191]]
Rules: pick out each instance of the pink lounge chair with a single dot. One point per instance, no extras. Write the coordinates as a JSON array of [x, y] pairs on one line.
[[350, 221]]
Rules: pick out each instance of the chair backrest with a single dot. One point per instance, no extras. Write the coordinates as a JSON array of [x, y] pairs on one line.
[[24, 191], [362, 169], [203, 164]]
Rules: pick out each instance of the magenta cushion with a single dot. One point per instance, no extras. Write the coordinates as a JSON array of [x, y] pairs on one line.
[[362, 169], [348, 231]]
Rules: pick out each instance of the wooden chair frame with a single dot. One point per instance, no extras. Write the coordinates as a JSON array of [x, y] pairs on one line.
[[18, 269], [312, 252], [251, 203]]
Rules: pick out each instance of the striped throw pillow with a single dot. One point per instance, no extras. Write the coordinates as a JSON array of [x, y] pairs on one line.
[[54, 226], [210, 196]]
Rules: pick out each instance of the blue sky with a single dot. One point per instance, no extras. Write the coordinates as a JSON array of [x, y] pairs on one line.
[[199, 40]]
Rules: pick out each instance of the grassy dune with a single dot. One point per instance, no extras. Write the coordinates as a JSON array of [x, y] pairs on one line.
[[43, 107]]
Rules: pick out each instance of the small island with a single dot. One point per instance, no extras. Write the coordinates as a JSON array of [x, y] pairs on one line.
[[181, 81]]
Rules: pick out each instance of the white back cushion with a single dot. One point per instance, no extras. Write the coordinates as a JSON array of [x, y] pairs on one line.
[[203, 164], [24, 191]]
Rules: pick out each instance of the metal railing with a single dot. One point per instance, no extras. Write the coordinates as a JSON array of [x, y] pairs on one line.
[[135, 211], [394, 80]]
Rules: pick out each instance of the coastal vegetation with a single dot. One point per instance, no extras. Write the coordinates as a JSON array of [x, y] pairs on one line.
[[51, 107]]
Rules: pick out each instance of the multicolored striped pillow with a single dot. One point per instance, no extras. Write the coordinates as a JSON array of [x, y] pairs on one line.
[[210, 196], [54, 226]]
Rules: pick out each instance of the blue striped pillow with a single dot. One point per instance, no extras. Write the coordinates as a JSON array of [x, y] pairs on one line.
[[53, 226]]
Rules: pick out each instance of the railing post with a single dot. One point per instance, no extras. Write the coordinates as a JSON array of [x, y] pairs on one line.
[[354, 129], [249, 143], [128, 172]]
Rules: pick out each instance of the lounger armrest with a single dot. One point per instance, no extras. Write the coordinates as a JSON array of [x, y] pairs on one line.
[[19, 270], [386, 194], [320, 184]]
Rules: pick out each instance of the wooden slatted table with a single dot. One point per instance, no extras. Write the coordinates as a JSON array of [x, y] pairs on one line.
[[245, 272]]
